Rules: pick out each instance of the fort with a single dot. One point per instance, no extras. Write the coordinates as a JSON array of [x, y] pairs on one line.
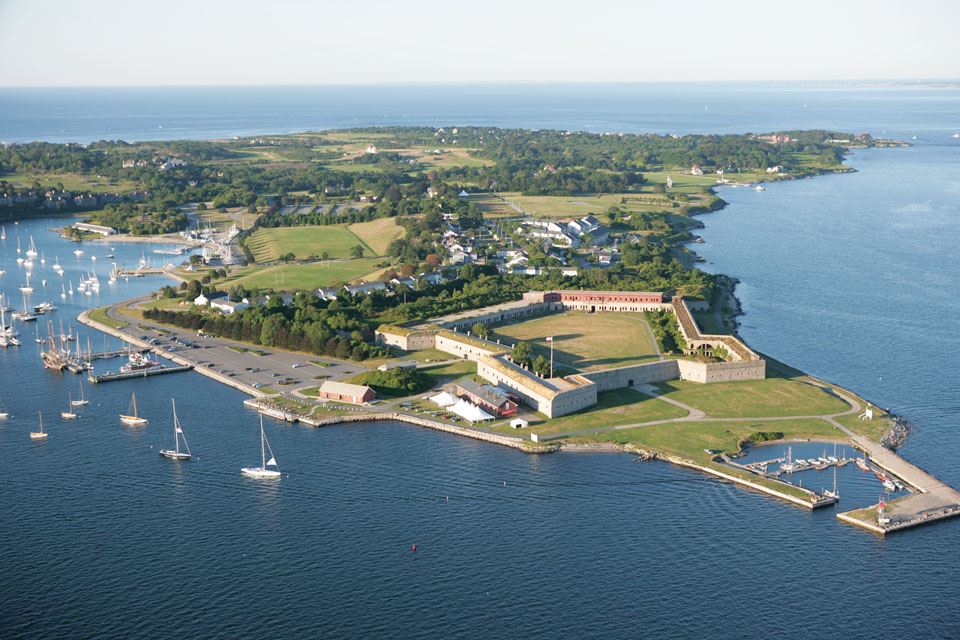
[[562, 395]]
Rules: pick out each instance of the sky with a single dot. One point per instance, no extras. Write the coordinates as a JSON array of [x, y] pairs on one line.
[[257, 42]]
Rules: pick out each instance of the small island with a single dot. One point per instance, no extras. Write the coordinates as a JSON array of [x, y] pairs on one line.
[[536, 289]]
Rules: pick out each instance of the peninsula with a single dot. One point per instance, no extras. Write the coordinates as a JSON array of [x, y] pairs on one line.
[[530, 288]]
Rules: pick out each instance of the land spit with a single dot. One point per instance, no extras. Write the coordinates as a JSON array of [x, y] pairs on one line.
[[932, 501]]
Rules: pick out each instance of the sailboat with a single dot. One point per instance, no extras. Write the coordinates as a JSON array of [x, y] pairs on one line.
[[82, 401], [3, 233], [32, 251], [63, 292], [39, 435], [4, 414], [175, 453], [262, 472], [69, 414], [26, 288], [133, 420]]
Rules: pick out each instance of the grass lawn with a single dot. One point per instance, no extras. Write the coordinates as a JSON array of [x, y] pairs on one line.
[[872, 429], [378, 234], [299, 276], [586, 341], [442, 374], [620, 406], [689, 439], [100, 315], [171, 304], [72, 181], [269, 244], [771, 397]]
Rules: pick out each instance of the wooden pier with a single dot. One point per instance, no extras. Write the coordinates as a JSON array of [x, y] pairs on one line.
[[144, 373]]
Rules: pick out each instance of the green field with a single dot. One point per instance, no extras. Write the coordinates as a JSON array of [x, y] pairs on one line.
[[772, 397], [100, 315], [268, 245], [301, 276], [378, 234], [71, 182], [586, 341], [620, 406]]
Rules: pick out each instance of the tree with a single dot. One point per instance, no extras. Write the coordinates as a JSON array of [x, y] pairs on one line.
[[480, 330], [541, 366], [521, 353], [356, 251]]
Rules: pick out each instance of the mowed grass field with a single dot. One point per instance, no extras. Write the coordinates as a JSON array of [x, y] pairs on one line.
[[586, 341], [620, 406], [301, 276], [378, 234], [269, 244], [772, 397]]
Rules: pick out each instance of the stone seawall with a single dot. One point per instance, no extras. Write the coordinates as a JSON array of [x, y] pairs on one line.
[[507, 441]]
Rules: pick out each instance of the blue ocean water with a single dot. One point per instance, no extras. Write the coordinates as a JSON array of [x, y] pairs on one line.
[[852, 277]]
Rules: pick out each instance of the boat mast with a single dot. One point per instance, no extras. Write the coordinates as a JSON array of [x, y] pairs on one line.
[[176, 431], [263, 451]]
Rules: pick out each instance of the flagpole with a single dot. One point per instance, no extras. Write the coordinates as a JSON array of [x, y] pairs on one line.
[[551, 356]]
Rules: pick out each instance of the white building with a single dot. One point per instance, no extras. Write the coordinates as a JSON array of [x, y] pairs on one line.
[[227, 306]]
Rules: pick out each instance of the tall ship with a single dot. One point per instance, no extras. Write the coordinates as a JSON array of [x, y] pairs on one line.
[[138, 362]]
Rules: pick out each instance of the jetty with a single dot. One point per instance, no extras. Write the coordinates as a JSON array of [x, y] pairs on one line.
[[143, 373], [931, 500]]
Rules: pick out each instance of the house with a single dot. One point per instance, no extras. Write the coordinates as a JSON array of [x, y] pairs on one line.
[[366, 288], [345, 392], [519, 423], [329, 293], [203, 300], [407, 281], [552, 231], [695, 170], [228, 306], [776, 169], [431, 192], [588, 225], [371, 149], [488, 397]]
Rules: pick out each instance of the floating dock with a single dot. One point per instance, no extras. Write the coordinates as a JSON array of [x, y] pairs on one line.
[[144, 373]]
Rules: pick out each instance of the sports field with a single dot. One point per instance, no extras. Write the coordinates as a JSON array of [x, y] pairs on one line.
[[303, 242], [300, 276], [586, 341]]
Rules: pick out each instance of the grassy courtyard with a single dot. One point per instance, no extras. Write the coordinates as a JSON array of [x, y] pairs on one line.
[[586, 341]]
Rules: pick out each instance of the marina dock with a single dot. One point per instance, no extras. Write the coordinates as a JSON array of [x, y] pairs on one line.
[[145, 373], [931, 500]]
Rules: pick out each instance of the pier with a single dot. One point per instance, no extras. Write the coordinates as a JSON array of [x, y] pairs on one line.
[[144, 373], [932, 499]]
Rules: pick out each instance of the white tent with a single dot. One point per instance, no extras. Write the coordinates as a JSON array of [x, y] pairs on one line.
[[470, 412], [443, 399]]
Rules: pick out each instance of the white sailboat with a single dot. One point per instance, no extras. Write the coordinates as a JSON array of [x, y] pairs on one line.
[[69, 414], [3, 233], [43, 258], [175, 453], [26, 288], [262, 472], [4, 414], [41, 434], [82, 401], [32, 251], [133, 420], [63, 292]]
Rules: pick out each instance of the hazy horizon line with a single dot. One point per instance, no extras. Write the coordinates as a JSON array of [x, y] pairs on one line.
[[434, 83]]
